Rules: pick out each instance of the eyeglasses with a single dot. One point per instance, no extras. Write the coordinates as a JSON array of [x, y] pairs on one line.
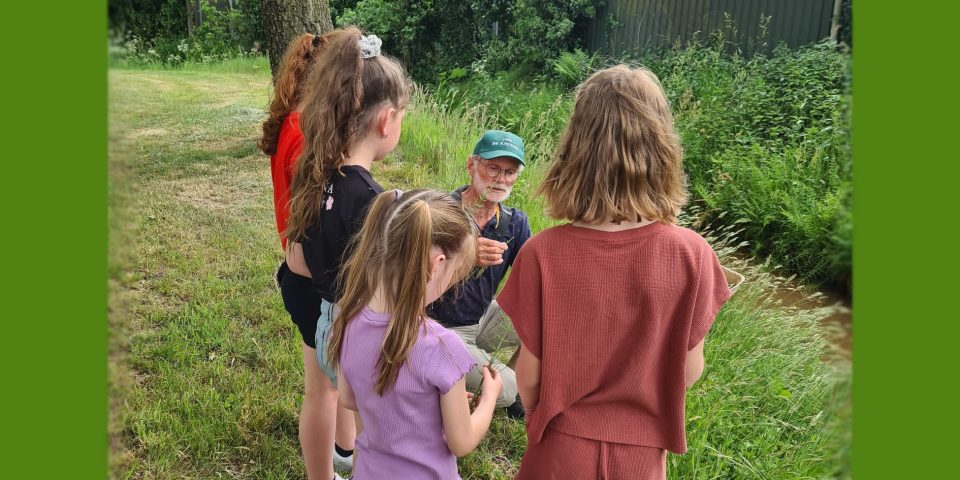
[[495, 171]]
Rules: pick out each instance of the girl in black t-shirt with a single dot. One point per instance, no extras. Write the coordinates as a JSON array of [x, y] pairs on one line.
[[353, 109]]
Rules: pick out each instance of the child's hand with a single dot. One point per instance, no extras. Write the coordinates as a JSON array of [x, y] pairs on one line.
[[492, 384]]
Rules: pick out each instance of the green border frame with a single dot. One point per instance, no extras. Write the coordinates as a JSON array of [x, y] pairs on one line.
[[55, 407], [55, 199], [905, 270]]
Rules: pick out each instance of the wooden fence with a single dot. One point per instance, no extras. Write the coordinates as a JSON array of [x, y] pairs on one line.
[[625, 26]]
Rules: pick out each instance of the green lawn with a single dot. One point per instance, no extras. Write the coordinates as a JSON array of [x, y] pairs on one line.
[[205, 366]]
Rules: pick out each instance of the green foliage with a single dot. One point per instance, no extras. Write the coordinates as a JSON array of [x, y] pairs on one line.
[[767, 140], [538, 31], [337, 7], [249, 24], [157, 33], [428, 36], [571, 68], [156, 19], [434, 36]]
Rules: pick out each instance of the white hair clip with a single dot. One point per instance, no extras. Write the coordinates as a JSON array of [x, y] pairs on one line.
[[369, 46]]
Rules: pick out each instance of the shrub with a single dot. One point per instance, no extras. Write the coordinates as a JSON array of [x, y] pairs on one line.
[[435, 36], [427, 36], [767, 139], [539, 31], [156, 33]]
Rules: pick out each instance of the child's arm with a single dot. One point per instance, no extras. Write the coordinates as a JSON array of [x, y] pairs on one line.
[[346, 394], [528, 379], [693, 368], [463, 430]]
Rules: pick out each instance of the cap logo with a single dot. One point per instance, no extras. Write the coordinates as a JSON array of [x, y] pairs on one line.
[[505, 142]]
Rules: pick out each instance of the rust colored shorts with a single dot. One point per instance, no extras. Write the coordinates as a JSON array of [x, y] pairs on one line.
[[559, 456]]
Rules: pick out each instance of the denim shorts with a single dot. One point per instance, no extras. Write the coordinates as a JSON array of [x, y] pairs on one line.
[[324, 327]]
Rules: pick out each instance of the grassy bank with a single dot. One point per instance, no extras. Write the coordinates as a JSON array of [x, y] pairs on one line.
[[205, 364]]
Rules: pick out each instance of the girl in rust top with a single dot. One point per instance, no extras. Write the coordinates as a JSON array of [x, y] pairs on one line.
[[613, 307]]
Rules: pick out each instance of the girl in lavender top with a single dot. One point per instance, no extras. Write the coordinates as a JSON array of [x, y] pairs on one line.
[[401, 371]]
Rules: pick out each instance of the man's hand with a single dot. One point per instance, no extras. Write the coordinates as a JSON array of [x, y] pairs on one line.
[[489, 252]]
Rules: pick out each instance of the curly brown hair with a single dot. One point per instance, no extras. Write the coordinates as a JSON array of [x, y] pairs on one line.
[[297, 61], [343, 93]]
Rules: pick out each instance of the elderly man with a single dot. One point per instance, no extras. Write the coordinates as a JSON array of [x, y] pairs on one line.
[[470, 310]]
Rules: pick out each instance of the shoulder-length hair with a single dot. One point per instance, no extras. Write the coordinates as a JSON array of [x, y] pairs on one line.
[[619, 158]]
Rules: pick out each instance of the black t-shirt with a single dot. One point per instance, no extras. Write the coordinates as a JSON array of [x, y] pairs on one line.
[[342, 210]]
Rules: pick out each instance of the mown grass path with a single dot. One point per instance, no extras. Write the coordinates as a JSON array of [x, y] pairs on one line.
[[205, 365]]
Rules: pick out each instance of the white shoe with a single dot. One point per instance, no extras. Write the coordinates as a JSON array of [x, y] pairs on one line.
[[341, 462], [336, 476]]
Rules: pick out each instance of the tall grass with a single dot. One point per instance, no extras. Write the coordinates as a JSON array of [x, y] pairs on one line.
[[206, 380], [239, 64]]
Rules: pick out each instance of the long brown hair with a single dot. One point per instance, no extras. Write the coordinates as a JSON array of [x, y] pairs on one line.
[[619, 157], [392, 251], [344, 93], [299, 58]]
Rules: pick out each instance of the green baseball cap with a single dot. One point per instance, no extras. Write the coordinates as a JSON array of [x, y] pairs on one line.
[[497, 143]]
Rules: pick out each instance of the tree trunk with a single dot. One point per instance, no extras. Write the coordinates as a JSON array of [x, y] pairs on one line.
[[284, 20], [190, 18]]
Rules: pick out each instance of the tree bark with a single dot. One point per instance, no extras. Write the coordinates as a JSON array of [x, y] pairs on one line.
[[189, 18], [284, 20]]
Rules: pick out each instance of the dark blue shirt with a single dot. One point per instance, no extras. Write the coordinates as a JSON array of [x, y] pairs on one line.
[[466, 304]]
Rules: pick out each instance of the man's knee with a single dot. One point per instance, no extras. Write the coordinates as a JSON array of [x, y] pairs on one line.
[[495, 330], [508, 394]]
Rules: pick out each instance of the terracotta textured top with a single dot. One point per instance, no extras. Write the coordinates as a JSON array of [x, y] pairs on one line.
[[611, 316]]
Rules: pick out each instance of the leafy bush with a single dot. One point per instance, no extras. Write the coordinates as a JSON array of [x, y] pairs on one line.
[[427, 36], [436, 36], [153, 20], [767, 139], [538, 31], [156, 33]]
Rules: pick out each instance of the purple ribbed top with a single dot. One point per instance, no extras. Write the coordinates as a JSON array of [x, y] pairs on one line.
[[402, 433]]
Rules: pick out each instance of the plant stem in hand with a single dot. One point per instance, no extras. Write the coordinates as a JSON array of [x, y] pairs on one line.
[[493, 373]]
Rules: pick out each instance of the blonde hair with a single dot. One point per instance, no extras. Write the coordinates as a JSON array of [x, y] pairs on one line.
[[619, 158], [392, 251], [344, 91]]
